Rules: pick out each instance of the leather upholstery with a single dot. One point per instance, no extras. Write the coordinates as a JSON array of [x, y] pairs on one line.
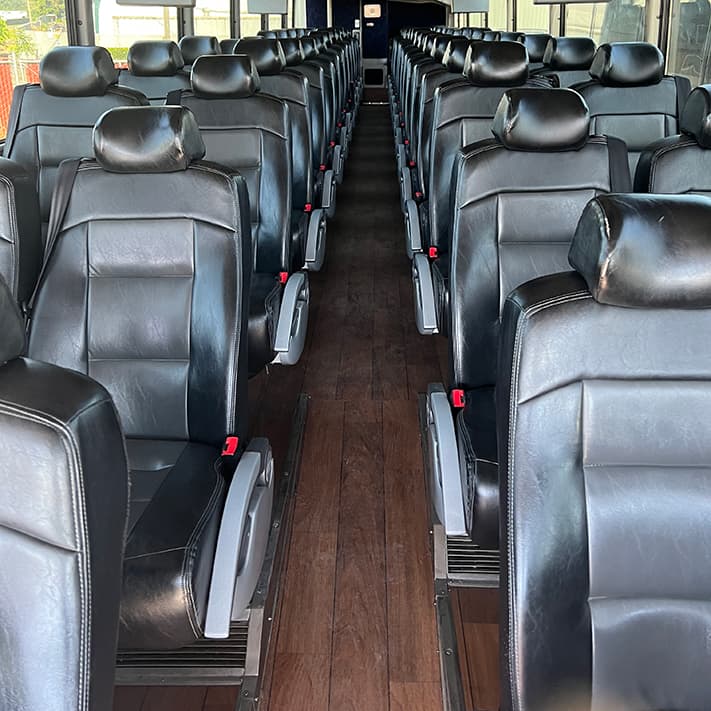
[[62, 531], [20, 232], [194, 46], [603, 427], [491, 36], [293, 51], [267, 54], [143, 139], [629, 255], [536, 44], [146, 291], [225, 76], [77, 71], [456, 55], [53, 128], [496, 64], [154, 69], [567, 60], [512, 37], [696, 116], [309, 47], [628, 64], [227, 46], [541, 120]]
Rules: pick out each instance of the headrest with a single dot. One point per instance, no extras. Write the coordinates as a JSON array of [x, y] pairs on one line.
[[628, 64], [496, 64], [154, 59], [440, 47], [300, 32], [541, 120], [147, 139], [429, 42], [12, 344], [224, 76], [194, 46], [227, 46], [645, 250], [267, 54], [456, 54], [309, 47], [696, 117], [536, 45], [512, 36], [569, 53], [293, 51], [491, 36], [291, 33], [318, 41], [77, 71], [269, 34], [475, 33]]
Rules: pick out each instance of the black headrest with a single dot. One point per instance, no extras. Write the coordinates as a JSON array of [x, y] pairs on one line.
[[155, 59], [300, 32], [475, 33], [491, 36], [645, 250], [227, 46], [536, 45], [77, 71], [456, 54], [541, 120], [12, 343], [628, 64], [512, 36], [309, 47], [696, 116], [440, 47], [318, 41], [569, 53], [293, 51], [194, 46], [267, 54], [224, 76], [496, 64], [269, 34], [147, 139]]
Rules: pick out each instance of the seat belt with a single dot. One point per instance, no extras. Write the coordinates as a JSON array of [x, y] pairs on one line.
[[60, 201], [18, 94]]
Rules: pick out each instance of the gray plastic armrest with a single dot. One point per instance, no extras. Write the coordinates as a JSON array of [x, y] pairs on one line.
[[338, 159], [446, 479], [425, 304], [412, 228], [248, 509], [401, 152], [405, 187], [328, 194], [316, 241], [293, 320], [398, 133]]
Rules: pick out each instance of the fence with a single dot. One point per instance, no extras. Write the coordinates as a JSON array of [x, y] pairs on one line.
[[14, 71]]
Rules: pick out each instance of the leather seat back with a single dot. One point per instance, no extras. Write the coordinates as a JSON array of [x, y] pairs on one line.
[[631, 98], [516, 200], [536, 44], [568, 59], [63, 516], [154, 69], [316, 60], [248, 132], [194, 46], [681, 164], [54, 120], [146, 287], [605, 409]]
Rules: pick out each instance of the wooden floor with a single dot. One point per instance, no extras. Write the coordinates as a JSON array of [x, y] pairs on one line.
[[356, 628]]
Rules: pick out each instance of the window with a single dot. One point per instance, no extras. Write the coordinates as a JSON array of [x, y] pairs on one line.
[[212, 18], [623, 21], [498, 15], [690, 40], [585, 20], [275, 22], [250, 23], [119, 26], [532, 18], [28, 30]]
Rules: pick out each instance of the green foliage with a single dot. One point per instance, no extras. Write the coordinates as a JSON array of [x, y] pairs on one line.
[[119, 54], [14, 40], [40, 9]]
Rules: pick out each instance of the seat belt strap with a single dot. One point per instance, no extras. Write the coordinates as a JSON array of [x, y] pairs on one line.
[[18, 95]]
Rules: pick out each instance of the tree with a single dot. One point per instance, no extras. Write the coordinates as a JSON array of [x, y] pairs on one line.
[[39, 9], [14, 40]]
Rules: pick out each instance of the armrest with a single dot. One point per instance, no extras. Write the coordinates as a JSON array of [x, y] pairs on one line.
[[293, 320], [316, 241], [328, 194], [338, 160], [445, 472], [401, 153], [412, 228], [425, 303], [242, 539], [405, 187]]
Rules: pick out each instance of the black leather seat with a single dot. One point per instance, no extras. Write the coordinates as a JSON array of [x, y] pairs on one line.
[[605, 405], [227, 46], [681, 164], [630, 96], [53, 120], [154, 69], [194, 46], [62, 531], [568, 60], [516, 200], [536, 44], [250, 132], [491, 36], [146, 290]]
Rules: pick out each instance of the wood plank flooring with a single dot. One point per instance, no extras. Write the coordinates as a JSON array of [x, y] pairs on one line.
[[356, 624]]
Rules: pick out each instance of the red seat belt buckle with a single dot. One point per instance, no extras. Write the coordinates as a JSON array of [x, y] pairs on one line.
[[230, 447], [283, 277], [308, 207], [458, 400], [322, 168], [412, 164], [433, 252], [407, 141]]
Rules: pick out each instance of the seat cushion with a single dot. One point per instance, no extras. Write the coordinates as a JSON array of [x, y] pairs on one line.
[[264, 302], [177, 495], [476, 434]]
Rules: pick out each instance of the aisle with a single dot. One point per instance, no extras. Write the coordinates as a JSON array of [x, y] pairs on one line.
[[357, 626]]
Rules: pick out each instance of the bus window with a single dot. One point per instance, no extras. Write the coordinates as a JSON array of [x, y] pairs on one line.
[[585, 20], [498, 15], [28, 30], [690, 40], [212, 18], [119, 26], [250, 23], [532, 18]]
